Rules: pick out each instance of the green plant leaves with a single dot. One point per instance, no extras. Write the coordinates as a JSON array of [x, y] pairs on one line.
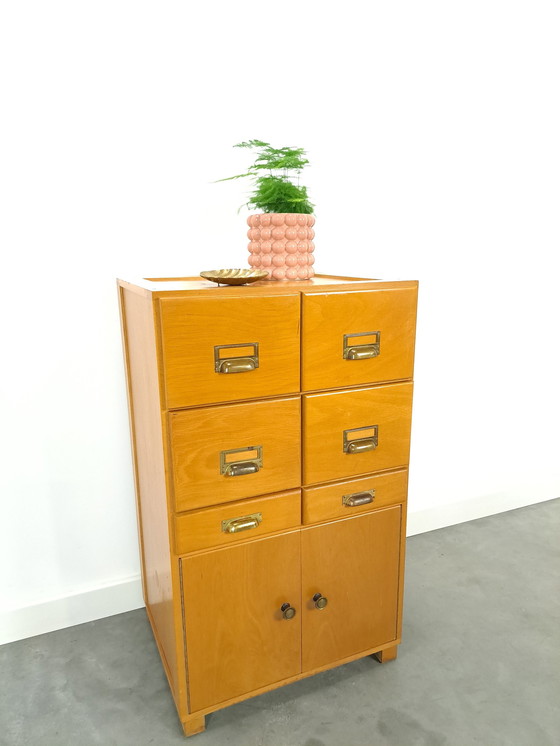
[[276, 193]]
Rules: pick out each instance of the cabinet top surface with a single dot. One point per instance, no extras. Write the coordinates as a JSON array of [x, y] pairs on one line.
[[170, 286]]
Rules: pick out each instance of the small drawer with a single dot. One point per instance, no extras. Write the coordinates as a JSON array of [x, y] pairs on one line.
[[345, 499], [222, 349], [226, 524], [348, 433], [233, 451], [354, 338]]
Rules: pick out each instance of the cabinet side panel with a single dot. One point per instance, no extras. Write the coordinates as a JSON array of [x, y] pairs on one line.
[[148, 453], [402, 557]]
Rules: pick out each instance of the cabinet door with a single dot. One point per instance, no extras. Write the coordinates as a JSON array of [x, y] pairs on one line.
[[237, 639], [354, 564]]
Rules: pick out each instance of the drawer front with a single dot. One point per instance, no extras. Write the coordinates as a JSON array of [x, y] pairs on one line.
[[226, 453], [355, 496], [238, 521], [222, 349], [348, 433], [355, 338]]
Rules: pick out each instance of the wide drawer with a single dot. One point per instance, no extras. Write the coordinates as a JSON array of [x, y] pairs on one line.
[[222, 349], [229, 452], [349, 433], [345, 499], [354, 338], [245, 519]]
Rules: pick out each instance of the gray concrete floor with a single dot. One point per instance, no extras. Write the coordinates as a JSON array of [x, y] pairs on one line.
[[480, 663]]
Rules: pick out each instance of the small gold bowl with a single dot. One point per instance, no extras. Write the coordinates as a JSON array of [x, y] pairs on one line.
[[234, 276]]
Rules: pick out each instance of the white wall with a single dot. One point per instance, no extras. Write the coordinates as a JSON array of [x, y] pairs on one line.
[[433, 134]]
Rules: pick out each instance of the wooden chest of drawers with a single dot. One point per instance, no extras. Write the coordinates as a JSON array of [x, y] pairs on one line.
[[270, 427]]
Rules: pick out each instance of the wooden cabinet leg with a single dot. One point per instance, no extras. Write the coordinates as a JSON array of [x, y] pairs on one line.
[[389, 654], [194, 724]]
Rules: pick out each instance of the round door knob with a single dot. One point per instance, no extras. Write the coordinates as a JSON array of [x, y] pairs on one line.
[[320, 600], [288, 612]]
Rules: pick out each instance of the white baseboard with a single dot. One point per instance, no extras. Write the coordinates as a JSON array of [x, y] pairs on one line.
[[440, 516], [77, 608], [126, 594]]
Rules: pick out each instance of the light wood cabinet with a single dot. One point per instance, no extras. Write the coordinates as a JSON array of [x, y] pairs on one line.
[[271, 476]]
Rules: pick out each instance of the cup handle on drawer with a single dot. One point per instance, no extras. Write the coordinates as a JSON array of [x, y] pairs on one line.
[[235, 525], [363, 444], [358, 498], [361, 351], [248, 460], [236, 363], [239, 469]]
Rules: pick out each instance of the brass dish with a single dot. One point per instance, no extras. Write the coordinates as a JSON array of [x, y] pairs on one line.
[[234, 276]]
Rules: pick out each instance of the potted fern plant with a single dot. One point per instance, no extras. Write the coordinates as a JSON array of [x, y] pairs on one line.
[[281, 235]]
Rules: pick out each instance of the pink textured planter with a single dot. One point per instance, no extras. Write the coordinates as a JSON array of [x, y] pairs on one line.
[[282, 244]]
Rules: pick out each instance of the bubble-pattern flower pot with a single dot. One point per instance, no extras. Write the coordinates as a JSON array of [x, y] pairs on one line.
[[282, 244]]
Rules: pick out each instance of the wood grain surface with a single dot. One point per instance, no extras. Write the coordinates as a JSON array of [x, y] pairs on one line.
[[149, 468], [202, 529], [192, 327], [199, 435], [324, 503], [354, 563], [237, 639], [327, 317], [327, 416]]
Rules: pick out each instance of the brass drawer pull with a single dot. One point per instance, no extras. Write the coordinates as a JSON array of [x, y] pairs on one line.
[[238, 467], [236, 363], [362, 351], [358, 498], [320, 601], [239, 470], [235, 525], [288, 611], [360, 446], [368, 441]]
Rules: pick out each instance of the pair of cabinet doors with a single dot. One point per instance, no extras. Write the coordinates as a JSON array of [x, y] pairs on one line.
[[237, 637]]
